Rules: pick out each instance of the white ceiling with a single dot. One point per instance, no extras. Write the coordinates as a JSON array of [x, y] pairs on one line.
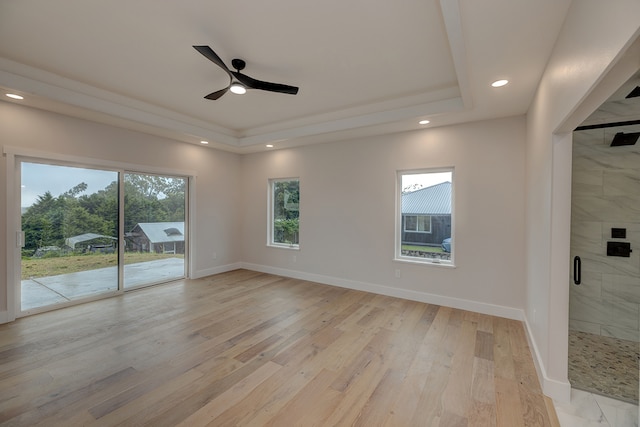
[[363, 67]]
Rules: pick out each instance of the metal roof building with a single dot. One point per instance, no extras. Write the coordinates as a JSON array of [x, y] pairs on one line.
[[434, 200], [161, 232], [87, 237]]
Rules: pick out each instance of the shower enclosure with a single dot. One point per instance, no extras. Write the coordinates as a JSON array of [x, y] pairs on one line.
[[604, 310]]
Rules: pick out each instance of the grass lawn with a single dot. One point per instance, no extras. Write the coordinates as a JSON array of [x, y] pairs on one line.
[[434, 249], [43, 267]]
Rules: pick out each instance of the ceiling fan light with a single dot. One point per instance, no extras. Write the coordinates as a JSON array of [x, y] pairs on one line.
[[238, 89]]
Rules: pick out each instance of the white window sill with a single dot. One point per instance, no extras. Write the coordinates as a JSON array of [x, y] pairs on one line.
[[430, 262], [288, 247]]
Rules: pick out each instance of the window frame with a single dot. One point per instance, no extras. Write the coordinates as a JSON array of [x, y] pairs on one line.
[[271, 214], [17, 155], [400, 227]]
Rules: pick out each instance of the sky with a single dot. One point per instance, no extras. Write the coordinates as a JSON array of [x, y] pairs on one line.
[[39, 178], [425, 179]]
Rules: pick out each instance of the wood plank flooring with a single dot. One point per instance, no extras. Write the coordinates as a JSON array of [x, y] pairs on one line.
[[252, 349]]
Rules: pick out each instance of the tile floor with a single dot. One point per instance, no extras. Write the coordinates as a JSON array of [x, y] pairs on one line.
[[588, 409]]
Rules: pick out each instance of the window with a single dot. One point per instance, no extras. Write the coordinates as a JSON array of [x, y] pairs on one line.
[[417, 223], [96, 231], [284, 223], [424, 226]]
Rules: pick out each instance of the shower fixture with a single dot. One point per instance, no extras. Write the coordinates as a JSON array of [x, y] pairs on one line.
[[622, 138]]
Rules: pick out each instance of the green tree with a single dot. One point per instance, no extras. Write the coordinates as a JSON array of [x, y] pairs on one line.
[[38, 232], [174, 204], [286, 211], [40, 221], [104, 204], [78, 221], [154, 186], [147, 198], [52, 219]]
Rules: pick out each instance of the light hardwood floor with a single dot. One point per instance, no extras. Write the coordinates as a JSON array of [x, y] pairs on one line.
[[247, 348]]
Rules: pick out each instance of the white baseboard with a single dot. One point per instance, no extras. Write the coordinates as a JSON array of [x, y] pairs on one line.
[[478, 307], [216, 270], [557, 390]]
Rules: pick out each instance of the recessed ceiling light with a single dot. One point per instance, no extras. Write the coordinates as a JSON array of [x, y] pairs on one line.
[[204, 142], [424, 122], [14, 96], [269, 145], [499, 83]]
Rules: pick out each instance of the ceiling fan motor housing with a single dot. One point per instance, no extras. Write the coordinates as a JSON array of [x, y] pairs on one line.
[[238, 64]]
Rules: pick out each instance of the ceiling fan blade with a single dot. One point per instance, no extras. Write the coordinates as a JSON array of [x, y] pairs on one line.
[[252, 83], [208, 53], [217, 94]]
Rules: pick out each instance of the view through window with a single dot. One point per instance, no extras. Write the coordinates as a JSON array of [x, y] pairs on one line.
[[154, 226], [69, 218], [285, 212], [425, 217]]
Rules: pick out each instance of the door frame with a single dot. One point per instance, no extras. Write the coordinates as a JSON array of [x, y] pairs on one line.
[[13, 213], [560, 264]]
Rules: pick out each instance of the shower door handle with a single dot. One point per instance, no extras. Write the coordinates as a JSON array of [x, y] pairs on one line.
[[577, 270]]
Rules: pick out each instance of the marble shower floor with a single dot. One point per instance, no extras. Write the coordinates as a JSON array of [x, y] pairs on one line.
[[592, 410], [604, 365]]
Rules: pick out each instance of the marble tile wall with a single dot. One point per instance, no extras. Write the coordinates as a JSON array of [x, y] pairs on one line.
[[605, 194]]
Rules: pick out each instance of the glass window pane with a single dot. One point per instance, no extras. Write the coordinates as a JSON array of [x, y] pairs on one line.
[[425, 208], [70, 222], [154, 226], [285, 224], [424, 223]]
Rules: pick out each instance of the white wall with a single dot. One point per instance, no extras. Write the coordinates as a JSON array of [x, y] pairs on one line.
[[216, 209], [348, 192], [592, 39]]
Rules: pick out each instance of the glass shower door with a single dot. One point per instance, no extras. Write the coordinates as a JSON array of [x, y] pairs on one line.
[[604, 311]]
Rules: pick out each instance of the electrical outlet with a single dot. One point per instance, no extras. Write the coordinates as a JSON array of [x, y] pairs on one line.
[[214, 255], [398, 274], [294, 259]]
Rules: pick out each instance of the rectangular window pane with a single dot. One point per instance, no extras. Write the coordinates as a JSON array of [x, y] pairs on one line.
[[285, 212], [425, 215], [410, 223], [70, 222], [155, 228], [424, 223]]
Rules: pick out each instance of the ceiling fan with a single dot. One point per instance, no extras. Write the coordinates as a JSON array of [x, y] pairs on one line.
[[238, 82]]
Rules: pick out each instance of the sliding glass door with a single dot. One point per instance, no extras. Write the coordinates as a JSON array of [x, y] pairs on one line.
[[91, 232], [70, 226], [154, 224]]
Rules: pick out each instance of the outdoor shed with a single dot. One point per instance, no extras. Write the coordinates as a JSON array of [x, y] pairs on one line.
[[91, 242], [158, 237], [426, 215]]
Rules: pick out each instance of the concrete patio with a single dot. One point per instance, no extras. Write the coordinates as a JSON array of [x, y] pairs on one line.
[[43, 291]]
